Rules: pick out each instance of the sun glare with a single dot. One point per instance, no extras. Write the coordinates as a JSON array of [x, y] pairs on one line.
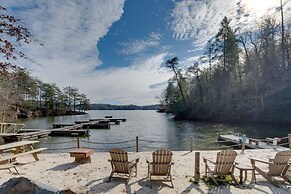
[[261, 6]]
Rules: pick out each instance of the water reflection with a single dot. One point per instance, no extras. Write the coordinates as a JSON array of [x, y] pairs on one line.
[[160, 129]]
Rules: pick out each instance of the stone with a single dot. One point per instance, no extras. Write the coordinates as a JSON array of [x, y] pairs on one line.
[[77, 190], [22, 185]]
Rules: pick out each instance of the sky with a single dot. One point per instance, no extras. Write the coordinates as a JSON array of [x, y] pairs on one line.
[[113, 50]]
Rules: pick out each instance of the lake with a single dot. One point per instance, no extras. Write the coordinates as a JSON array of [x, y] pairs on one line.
[[154, 130]]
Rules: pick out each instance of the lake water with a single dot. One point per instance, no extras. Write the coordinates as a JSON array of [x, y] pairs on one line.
[[154, 130]]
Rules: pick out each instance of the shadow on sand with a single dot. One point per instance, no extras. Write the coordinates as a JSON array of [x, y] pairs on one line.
[[65, 167], [144, 186], [282, 189]]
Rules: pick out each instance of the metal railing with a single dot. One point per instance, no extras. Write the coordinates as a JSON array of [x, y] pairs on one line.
[[11, 127]]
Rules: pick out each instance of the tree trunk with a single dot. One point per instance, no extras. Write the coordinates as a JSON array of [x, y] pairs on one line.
[[180, 87], [282, 36], [200, 88]]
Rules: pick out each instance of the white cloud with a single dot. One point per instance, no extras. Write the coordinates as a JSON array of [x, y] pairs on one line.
[[139, 46], [127, 85], [70, 31], [199, 20]]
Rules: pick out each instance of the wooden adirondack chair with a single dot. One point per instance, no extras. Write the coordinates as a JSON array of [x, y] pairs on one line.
[[161, 165], [223, 166], [278, 167], [120, 164]]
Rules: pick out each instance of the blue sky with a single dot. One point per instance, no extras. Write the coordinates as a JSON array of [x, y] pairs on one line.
[[112, 50]]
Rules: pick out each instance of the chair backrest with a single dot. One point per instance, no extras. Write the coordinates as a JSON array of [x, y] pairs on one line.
[[119, 160], [225, 162], [280, 162], [162, 162]]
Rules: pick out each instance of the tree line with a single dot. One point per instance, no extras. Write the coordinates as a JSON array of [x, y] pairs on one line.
[[242, 76], [20, 93], [24, 96], [122, 107]]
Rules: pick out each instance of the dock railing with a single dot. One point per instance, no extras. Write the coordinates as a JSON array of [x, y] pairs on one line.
[[11, 127], [134, 145], [137, 144]]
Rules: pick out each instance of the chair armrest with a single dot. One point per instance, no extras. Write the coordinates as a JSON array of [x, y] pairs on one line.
[[135, 160], [259, 160], [148, 160], [205, 160]]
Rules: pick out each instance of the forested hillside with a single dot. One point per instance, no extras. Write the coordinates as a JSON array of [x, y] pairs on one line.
[[122, 107], [242, 76]]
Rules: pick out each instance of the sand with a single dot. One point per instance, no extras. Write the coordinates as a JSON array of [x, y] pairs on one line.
[[61, 172]]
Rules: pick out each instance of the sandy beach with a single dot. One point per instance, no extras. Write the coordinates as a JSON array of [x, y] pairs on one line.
[[59, 170]]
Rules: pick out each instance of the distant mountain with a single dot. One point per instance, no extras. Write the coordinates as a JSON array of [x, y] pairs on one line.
[[123, 107]]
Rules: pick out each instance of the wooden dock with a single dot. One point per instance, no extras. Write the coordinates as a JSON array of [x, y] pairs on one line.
[[61, 125], [96, 125], [28, 134], [79, 128], [110, 119], [100, 123], [250, 142], [69, 130]]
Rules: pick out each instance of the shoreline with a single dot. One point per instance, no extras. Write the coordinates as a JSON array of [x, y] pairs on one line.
[[58, 170]]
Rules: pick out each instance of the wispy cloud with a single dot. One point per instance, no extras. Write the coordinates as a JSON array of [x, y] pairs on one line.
[[199, 20], [128, 85], [70, 31], [142, 45]]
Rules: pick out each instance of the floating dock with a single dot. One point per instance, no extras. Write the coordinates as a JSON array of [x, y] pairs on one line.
[[79, 132], [96, 126], [110, 119], [24, 135], [250, 142], [79, 128], [69, 130], [61, 125]]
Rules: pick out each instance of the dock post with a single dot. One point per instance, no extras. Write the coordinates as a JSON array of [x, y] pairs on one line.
[[78, 142], [197, 166], [289, 140], [136, 143], [191, 143], [243, 146], [243, 142]]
